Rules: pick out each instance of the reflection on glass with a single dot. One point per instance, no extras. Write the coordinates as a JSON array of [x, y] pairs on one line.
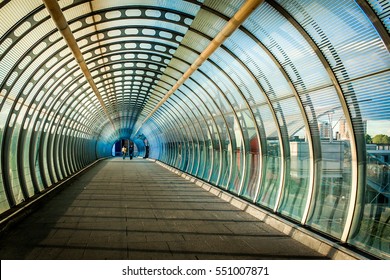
[[373, 230]]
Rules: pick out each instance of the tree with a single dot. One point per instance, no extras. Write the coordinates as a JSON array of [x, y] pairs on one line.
[[368, 139], [381, 139]]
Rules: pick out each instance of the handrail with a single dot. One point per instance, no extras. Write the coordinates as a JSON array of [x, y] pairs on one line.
[[59, 19]]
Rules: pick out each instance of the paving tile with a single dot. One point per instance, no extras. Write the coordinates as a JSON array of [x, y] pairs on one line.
[[71, 253], [148, 250]]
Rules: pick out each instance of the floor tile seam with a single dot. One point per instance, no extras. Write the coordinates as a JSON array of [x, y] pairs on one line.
[[119, 220]]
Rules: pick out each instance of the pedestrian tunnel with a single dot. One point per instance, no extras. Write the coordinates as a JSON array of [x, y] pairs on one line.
[[283, 104]]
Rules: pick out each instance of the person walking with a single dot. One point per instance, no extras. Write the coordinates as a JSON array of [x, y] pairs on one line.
[[124, 152], [131, 151], [146, 151]]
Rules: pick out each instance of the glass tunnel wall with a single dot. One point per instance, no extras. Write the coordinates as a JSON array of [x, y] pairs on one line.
[[282, 114]]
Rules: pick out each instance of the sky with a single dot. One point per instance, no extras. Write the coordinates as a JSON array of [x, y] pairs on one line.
[[375, 127]]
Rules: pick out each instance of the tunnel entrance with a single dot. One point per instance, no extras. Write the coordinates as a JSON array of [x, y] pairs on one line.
[[117, 147]]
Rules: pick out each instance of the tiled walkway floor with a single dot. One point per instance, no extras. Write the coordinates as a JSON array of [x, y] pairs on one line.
[[139, 210]]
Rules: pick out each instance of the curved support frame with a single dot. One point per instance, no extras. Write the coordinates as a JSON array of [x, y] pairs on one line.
[[357, 140]]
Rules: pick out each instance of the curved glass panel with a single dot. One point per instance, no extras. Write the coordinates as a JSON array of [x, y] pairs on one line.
[[348, 55]]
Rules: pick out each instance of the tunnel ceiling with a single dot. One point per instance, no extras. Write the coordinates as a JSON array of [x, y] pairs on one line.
[[127, 47], [135, 51]]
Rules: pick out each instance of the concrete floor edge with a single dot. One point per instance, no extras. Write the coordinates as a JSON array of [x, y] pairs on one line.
[[308, 238]]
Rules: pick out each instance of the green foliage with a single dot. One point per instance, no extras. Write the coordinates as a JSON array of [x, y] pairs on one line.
[[368, 139], [381, 139]]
